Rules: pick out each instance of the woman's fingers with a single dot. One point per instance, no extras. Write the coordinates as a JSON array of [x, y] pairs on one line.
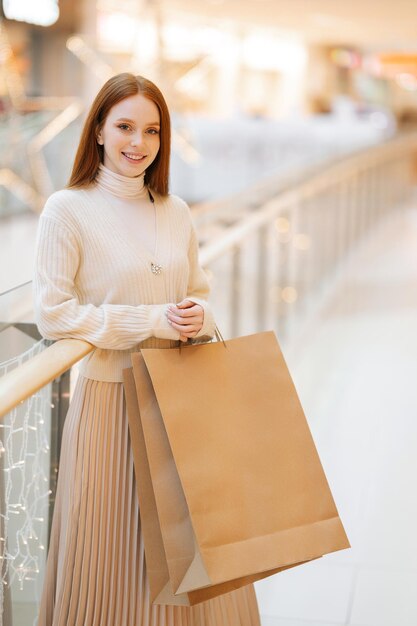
[[184, 320], [185, 329], [193, 315], [185, 304], [187, 321], [191, 311]]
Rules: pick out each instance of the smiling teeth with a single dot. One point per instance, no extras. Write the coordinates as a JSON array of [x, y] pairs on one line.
[[136, 157]]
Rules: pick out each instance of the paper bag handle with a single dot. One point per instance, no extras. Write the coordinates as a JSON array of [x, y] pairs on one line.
[[217, 335]]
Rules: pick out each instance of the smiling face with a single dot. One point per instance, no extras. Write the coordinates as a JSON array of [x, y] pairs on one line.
[[130, 135]]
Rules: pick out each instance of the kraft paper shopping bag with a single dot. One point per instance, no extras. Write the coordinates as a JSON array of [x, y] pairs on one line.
[[244, 492], [161, 588]]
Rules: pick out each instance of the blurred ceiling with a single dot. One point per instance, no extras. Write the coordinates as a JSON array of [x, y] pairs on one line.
[[381, 24], [367, 23]]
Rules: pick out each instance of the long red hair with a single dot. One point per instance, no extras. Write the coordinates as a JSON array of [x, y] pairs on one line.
[[90, 154]]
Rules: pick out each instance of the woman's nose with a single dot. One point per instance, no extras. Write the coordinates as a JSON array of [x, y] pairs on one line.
[[137, 140]]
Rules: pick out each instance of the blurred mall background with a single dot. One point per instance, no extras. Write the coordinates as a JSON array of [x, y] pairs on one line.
[[295, 144]]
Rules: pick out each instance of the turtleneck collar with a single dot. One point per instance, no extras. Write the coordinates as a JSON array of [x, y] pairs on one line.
[[120, 185]]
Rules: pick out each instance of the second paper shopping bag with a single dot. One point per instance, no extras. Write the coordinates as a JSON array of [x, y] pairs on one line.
[[254, 494]]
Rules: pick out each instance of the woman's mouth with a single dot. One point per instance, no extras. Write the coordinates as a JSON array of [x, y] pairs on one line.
[[134, 158]]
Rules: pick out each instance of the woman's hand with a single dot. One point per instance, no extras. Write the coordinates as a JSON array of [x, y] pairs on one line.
[[186, 317]]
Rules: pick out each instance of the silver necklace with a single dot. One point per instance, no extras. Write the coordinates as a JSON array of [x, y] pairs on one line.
[[156, 268]]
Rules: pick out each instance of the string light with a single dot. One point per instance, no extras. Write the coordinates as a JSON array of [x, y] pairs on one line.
[[24, 459], [289, 294]]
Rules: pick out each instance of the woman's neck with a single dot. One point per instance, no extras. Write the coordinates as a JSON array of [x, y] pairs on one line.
[[119, 185]]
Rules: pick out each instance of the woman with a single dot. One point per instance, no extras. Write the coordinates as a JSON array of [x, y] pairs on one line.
[[117, 265]]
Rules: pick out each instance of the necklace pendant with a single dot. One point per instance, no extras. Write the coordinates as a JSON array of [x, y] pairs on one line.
[[155, 268]]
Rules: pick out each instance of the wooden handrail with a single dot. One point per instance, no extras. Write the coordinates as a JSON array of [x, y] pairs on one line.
[[22, 382], [339, 171]]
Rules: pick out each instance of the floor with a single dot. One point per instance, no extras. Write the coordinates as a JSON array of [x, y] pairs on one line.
[[356, 377]]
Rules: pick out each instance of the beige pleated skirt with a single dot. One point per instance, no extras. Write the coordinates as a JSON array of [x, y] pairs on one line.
[[96, 570]]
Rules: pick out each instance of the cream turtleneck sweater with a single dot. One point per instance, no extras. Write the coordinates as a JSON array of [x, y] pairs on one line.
[[93, 276]]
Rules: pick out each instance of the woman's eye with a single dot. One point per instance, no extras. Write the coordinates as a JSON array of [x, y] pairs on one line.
[[153, 131], [123, 126]]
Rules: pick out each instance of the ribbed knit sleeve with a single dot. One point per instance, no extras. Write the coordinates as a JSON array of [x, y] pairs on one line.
[[58, 313], [198, 286]]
